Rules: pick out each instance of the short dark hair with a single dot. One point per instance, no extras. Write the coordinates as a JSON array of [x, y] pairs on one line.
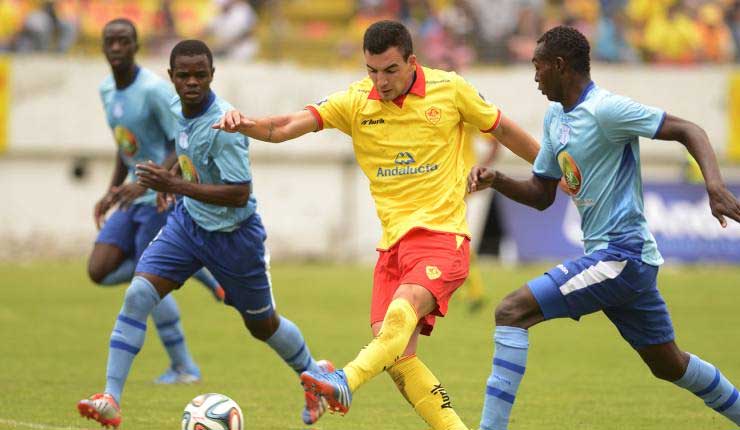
[[190, 48], [569, 43], [383, 34], [124, 21]]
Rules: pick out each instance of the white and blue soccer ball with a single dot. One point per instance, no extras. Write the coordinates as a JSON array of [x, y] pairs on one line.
[[212, 411]]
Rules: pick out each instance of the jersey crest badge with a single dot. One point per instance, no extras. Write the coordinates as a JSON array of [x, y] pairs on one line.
[[182, 140], [433, 115], [433, 272], [117, 110]]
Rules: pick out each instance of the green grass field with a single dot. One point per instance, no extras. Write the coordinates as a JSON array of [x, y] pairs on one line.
[[54, 328]]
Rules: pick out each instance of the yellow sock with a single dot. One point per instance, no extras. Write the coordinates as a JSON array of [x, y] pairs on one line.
[[425, 393], [398, 326], [475, 280]]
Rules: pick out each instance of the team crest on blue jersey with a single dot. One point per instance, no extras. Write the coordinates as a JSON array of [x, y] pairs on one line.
[[118, 110], [126, 140], [182, 140]]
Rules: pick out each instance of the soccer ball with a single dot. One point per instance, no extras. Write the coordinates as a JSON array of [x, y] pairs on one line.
[[212, 411]]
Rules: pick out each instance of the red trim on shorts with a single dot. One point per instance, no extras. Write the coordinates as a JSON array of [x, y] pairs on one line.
[[317, 116]]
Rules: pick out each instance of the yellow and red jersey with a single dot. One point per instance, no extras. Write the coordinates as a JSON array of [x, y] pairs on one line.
[[411, 148]]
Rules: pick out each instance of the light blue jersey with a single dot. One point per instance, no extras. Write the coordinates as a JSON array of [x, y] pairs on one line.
[[142, 123], [595, 146], [209, 156]]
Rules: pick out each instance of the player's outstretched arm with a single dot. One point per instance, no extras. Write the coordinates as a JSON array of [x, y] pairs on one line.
[[536, 191], [158, 178], [278, 128], [721, 201], [516, 139]]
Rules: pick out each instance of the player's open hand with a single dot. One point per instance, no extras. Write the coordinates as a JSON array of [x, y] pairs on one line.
[[102, 207], [126, 194], [156, 177], [724, 204], [480, 178], [234, 121]]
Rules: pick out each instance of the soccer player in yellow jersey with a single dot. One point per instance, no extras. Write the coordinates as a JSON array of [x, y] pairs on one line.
[[406, 123]]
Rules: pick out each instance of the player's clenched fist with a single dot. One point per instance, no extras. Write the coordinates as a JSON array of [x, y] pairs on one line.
[[480, 178], [234, 121]]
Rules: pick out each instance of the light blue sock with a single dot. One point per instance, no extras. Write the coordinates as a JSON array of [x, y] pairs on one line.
[[707, 383], [123, 273], [288, 342], [128, 333], [206, 278], [167, 319], [509, 364]]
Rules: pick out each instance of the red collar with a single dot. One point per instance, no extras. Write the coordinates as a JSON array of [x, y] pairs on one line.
[[419, 88]]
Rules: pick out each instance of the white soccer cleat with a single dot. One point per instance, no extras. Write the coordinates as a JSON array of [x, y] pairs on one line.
[[101, 407]]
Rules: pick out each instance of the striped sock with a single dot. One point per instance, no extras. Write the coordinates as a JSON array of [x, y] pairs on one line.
[[509, 364], [288, 342], [708, 383], [167, 319], [128, 333]]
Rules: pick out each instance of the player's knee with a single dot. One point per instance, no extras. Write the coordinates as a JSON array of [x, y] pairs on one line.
[[140, 295], [96, 272], [511, 311], [262, 329]]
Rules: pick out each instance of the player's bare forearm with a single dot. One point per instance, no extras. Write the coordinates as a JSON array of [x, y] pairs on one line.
[[236, 195], [721, 201], [516, 139], [696, 141], [275, 129], [170, 160], [119, 173], [536, 192]]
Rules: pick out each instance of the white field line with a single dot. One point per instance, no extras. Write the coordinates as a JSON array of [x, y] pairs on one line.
[[23, 425]]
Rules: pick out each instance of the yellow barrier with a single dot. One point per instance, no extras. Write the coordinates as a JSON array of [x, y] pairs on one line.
[[733, 125], [4, 102]]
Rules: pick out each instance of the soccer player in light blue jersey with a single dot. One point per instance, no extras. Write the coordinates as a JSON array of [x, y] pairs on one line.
[[136, 103], [590, 138], [214, 225]]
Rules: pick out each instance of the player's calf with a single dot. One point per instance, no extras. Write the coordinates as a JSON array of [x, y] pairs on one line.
[[707, 382]]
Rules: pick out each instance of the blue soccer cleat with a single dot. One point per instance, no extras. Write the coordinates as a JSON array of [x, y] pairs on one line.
[[179, 375], [315, 404], [332, 387]]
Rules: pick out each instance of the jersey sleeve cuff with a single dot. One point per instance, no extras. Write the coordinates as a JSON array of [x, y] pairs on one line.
[[317, 116], [660, 125], [495, 123], [237, 182], [551, 178]]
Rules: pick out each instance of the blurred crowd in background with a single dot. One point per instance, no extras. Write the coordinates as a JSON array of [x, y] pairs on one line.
[[448, 33]]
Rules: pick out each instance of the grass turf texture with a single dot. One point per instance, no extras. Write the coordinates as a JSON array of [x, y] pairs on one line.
[[54, 329]]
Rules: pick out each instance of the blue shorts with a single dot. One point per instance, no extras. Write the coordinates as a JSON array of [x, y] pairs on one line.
[[237, 260], [622, 286], [132, 229]]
